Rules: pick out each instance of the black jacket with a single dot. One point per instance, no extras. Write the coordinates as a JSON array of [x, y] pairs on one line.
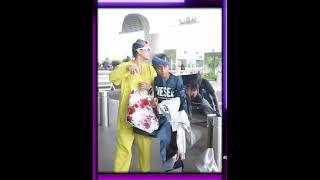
[[207, 92]]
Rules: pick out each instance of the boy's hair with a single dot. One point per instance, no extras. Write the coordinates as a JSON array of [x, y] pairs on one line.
[[158, 60], [164, 57]]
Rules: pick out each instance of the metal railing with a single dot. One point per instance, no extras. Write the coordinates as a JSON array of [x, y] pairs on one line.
[[103, 108]]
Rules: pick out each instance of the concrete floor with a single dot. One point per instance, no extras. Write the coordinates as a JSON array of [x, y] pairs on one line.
[[106, 152], [107, 143]]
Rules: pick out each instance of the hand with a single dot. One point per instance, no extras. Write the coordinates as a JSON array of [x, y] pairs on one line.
[[144, 86], [133, 70], [154, 102]]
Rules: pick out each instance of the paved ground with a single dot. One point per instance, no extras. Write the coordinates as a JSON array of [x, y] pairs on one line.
[[107, 142]]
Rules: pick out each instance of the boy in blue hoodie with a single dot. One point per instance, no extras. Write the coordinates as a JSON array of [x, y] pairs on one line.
[[168, 86]]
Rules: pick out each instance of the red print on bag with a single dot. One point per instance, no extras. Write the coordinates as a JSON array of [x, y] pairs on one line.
[[130, 110], [140, 113], [129, 118], [144, 102], [146, 125]]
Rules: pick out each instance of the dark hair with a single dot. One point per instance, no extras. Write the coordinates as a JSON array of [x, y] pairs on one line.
[[195, 83], [164, 57], [138, 44], [192, 86]]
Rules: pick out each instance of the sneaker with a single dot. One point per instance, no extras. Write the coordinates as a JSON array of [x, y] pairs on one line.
[[178, 164], [178, 170], [177, 167]]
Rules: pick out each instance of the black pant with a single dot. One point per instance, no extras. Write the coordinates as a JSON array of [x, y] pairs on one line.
[[173, 148]]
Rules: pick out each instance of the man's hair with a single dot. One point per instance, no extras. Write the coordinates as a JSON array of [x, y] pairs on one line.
[[138, 44], [192, 87], [196, 82]]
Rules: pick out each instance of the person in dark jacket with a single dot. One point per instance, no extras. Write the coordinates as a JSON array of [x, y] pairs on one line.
[[202, 93], [182, 66]]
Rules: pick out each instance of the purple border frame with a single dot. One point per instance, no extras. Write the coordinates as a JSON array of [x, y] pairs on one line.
[[138, 4], [142, 1], [224, 90], [219, 176], [154, 3], [94, 93]]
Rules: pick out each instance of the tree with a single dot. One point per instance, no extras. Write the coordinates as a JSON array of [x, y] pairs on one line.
[[126, 59], [105, 63], [208, 60], [115, 63]]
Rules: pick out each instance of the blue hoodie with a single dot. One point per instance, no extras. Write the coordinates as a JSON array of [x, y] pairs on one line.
[[171, 88]]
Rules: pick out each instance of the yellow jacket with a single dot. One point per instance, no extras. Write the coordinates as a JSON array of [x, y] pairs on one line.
[[121, 76]]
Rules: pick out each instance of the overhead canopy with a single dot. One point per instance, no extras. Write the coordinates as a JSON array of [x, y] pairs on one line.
[[135, 22]]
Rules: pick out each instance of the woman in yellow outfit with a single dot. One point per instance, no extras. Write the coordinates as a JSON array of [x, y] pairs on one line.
[[131, 75]]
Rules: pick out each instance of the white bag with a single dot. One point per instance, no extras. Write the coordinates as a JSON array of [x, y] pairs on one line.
[[140, 113]]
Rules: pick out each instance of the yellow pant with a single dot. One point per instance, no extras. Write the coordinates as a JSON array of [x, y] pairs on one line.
[[125, 137]]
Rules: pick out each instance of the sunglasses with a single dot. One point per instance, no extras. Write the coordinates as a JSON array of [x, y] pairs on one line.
[[145, 48]]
